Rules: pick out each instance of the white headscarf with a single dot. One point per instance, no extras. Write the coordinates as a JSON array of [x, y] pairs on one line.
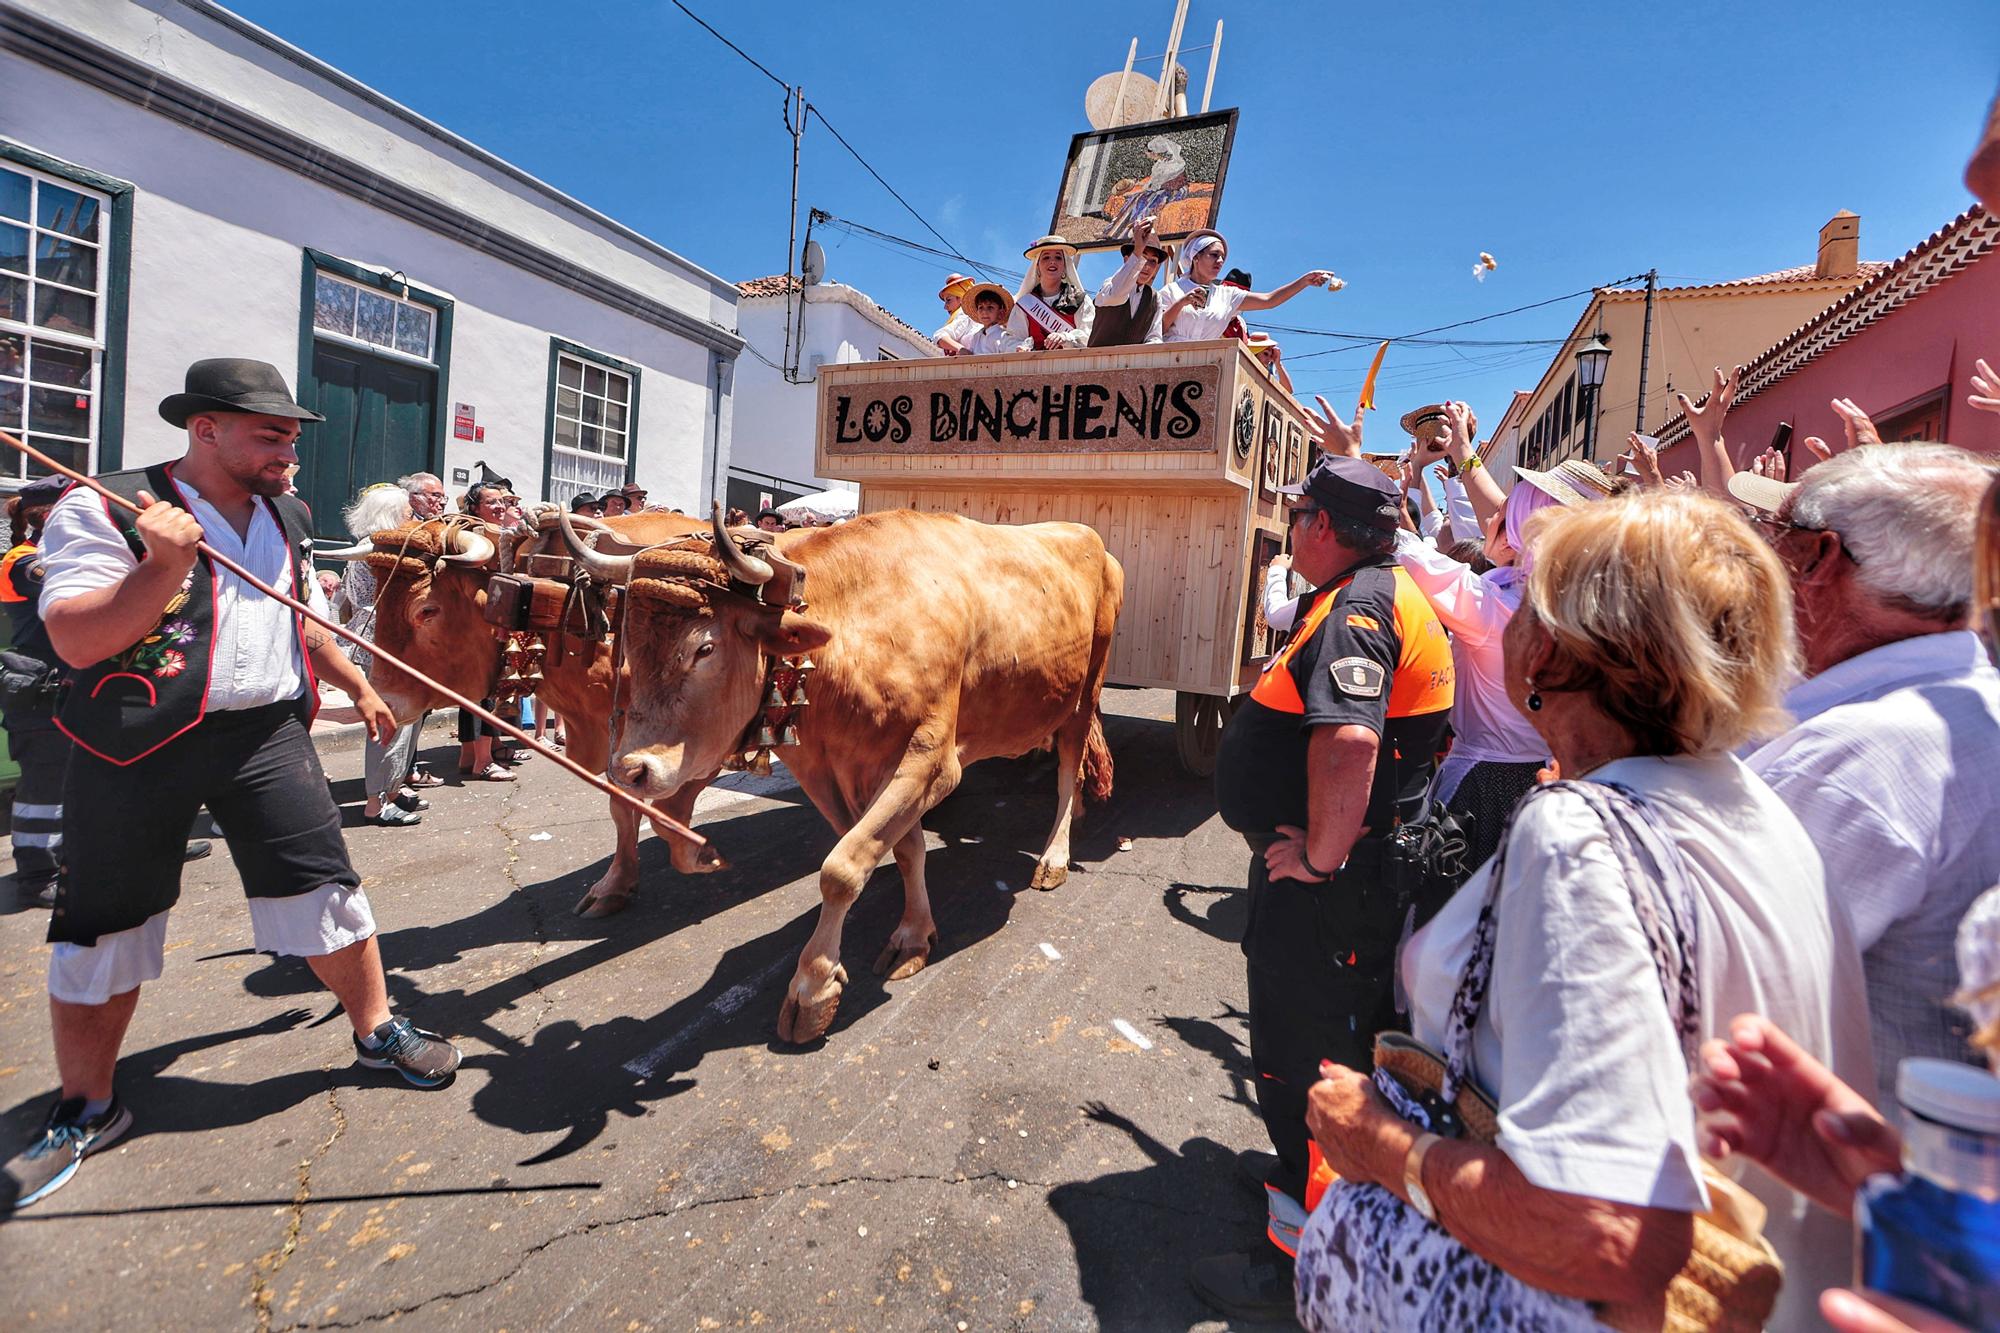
[[1071, 277], [1193, 246]]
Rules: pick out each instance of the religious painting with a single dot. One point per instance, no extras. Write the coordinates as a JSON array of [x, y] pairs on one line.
[[1274, 450], [1259, 639], [1171, 170], [1295, 453]]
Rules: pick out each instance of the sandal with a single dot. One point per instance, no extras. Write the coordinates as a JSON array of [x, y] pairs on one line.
[[421, 776], [410, 801], [496, 773], [395, 816]]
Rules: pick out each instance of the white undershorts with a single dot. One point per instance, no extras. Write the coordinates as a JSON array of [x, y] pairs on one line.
[[306, 925]]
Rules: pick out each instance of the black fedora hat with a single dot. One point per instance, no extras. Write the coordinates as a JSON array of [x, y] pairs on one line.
[[232, 384]]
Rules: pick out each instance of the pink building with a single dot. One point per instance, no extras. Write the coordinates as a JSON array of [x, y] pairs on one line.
[[1901, 345]]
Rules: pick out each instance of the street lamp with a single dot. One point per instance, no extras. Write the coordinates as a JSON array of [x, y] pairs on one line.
[[1591, 360]]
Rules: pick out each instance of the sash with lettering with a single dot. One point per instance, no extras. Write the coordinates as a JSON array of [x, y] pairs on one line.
[[1043, 318]]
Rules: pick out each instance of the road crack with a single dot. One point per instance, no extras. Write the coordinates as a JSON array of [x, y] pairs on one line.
[[262, 1291], [537, 923], [688, 1206]]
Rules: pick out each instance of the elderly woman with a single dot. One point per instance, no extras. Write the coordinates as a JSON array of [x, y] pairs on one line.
[[386, 769], [1628, 914], [1199, 305]]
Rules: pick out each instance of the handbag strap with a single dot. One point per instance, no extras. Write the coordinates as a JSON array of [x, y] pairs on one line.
[[1666, 915]]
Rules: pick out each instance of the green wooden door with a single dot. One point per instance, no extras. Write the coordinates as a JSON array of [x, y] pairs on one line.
[[379, 416]]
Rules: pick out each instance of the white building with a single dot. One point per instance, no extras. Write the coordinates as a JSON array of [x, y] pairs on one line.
[[177, 183], [771, 445]]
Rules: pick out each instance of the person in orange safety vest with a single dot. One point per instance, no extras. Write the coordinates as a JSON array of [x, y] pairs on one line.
[[1332, 751]]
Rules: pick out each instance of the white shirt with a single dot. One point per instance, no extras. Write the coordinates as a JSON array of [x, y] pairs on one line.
[[1124, 286], [1475, 608], [1575, 1043], [1458, 511], [993, 338], [256, 641], [958, 328], [1894, 769], [1078, 336], [1204, 321]]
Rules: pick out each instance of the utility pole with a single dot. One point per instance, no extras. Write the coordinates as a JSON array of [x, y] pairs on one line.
[[795, 121], [1646, 345]]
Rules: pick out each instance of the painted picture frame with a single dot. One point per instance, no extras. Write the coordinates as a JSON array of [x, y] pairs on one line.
[[1172, 169]]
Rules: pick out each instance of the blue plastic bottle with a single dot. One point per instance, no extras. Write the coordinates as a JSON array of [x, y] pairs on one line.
[[1932, 1235]]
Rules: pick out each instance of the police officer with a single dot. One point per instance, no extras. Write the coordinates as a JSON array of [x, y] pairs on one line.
[[1333, 748], [27, 700]]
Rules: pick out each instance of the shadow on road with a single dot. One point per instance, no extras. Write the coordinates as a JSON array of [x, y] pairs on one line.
[[1132, 1230]]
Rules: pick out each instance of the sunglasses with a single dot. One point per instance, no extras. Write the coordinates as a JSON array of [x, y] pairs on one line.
[[1302, 511], [1777, 526]]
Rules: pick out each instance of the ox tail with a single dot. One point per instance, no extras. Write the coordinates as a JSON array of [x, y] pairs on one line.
[[1096, 762]]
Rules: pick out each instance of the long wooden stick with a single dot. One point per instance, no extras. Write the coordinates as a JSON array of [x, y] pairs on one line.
[[660, 818]]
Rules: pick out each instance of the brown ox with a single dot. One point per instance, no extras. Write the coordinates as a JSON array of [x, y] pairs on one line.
[[939, 641], [430, 611]]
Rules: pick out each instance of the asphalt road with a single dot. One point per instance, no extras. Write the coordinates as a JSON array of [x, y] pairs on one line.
[[1036, 1132]]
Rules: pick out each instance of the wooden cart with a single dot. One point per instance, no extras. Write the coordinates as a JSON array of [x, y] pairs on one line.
[[1171, 451]]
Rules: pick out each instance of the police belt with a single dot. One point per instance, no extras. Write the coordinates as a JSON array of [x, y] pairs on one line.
[[1368, 853]]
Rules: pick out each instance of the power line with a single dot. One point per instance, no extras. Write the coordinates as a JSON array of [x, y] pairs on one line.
[[754, 62], [894, 193], [825, 218]]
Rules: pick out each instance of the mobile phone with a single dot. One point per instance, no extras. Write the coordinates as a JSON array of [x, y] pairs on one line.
[[1781, 438]]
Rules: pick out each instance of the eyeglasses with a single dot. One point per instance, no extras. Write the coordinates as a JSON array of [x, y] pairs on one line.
[[1302, 511], [1776, 526]]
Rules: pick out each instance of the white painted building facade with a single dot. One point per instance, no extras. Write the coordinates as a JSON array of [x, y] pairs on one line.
[[771, 444], [177, 183]]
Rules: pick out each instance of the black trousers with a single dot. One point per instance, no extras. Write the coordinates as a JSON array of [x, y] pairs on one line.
[[1322, 961], [43, 754]]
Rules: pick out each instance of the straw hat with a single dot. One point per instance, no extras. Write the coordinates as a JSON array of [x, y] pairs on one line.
[[1566, 485], [979, 289], [1052, 241], [1765, 493], [954, 285], [1260, 341], [1426, 422]]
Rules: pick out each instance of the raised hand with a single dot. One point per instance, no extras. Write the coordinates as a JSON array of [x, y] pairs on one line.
[[1644, 458], [1817, 447], [1860, 430], [1330, 433], [1686, 481], [1322, 277], [1770, 463], [1705, 422], [1985, 387]]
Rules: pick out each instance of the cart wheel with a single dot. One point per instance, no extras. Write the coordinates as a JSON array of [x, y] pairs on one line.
[[1198, 723]]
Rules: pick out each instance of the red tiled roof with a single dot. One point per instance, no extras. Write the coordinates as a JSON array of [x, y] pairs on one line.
[[1803, 275], [778, 284], [1970, 236]]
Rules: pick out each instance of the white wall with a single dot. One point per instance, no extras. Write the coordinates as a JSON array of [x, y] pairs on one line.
[[217, 246], [774, 421]]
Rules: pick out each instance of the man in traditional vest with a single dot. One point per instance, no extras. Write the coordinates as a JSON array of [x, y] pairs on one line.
[[1331, 752], [1128, 309], [190, 688]]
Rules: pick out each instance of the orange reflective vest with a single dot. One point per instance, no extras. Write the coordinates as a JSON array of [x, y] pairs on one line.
[[1422, 681], [25, 551]]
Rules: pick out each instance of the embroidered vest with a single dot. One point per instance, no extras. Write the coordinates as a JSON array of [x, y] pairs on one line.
[[1065, 303], [132, 703], [1118, 325]]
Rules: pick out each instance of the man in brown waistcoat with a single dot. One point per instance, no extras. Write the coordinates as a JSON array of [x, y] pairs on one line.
[[1128, 308], [187, 688]]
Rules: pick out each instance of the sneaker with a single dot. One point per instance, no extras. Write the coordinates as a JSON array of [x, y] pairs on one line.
[[1255, 1286], [197, 848], [35, 893], [47, 1164], [424, 1058]]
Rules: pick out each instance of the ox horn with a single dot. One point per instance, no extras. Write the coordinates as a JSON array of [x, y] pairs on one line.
[[364, 547], [601, 568], [475, 548], [743, 567]]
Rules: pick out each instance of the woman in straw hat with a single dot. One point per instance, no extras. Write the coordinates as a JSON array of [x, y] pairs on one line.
[[1052, 310], [1199, 305]]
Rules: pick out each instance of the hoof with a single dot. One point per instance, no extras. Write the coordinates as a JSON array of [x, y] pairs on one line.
[[1048, 876], [596, 904], [901, 959], [705, 861], [801, 1023]]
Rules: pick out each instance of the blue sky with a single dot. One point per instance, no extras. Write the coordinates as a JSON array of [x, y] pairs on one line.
[[1392, 143]]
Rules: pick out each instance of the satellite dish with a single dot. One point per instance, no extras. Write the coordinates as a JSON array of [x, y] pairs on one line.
[[812, 264], [1141, 94]]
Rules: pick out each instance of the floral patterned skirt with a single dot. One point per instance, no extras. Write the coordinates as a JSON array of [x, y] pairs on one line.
[[1368, 1261]]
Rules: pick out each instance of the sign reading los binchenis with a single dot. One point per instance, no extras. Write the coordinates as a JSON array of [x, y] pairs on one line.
[[1163, 408]]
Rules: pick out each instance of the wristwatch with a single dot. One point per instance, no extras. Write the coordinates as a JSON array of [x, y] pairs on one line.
[[1413, 1176]]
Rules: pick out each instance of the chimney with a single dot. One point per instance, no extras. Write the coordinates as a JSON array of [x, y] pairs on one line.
[[1840, 246]]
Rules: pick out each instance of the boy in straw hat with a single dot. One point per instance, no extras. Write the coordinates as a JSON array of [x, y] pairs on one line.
[[990, 307], [1052, 310], [1265, 348], [958, 325]]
